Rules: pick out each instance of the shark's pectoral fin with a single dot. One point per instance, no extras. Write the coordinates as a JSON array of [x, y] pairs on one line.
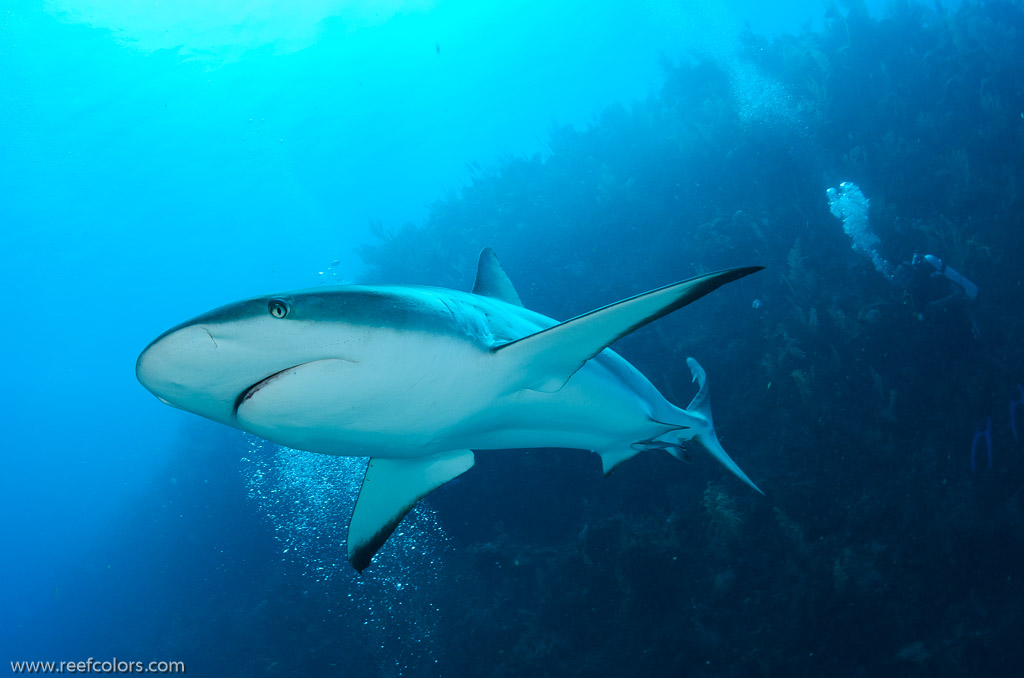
[[391, 487], [492, 281], [547, 359]]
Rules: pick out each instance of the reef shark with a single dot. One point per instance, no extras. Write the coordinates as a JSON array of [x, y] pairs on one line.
[[416, 378]]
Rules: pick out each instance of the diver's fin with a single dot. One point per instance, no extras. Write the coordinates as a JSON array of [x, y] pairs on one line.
[[701, 405], [390, 488], [492, 281], [545, 360]]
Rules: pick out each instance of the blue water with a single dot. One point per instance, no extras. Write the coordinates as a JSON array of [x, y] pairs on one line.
[[157, 161]]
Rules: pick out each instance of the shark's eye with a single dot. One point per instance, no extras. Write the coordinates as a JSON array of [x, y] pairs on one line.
[[278, 308]]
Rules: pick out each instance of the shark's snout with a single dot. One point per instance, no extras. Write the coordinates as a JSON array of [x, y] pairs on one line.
[[171, 363]]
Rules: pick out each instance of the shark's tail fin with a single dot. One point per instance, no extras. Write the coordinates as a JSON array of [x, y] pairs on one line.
[[682, 426], [702, 429]]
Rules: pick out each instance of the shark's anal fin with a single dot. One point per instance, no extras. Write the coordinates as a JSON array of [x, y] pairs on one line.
[[547, 359], [492, 281], [391, 487]]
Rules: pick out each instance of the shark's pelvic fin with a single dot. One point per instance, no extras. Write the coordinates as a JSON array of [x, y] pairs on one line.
[[548, 358], [492, 281], [612, 458], [391, 487]]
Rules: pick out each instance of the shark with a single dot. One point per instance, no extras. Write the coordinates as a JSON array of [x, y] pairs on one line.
[[418, 379]]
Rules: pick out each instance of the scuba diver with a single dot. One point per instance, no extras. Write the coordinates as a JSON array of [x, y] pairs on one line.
[[940, 295], [937, 290]]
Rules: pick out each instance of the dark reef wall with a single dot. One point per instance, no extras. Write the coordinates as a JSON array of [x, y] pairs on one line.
[[851, 399], [847, 397]]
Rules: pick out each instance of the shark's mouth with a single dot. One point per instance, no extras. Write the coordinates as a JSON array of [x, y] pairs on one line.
[[254, 389]]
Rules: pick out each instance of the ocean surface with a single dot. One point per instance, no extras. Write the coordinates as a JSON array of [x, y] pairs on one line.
[[158, 160]]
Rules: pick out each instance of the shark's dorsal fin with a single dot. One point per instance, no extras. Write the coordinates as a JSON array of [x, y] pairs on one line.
[[391, 487], [492, 281], [545, 360]]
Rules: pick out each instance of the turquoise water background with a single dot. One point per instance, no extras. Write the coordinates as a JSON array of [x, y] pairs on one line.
[[159, 159]]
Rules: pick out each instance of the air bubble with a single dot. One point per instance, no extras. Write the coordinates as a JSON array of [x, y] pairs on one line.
[[307, 500]]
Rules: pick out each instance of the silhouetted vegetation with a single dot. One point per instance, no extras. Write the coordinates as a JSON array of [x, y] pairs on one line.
[[852, 400], [877, 549]]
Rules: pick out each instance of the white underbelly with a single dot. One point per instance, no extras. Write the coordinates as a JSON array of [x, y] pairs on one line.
[[447, 395], [595, 410], [390, 404]]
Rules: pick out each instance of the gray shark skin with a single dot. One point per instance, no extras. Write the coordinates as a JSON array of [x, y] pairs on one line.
[[416, 378]]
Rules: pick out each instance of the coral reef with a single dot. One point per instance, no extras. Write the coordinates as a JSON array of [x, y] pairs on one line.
[[854, 411], [875, 552]]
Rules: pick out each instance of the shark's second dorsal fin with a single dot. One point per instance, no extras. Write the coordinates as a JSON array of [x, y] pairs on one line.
[[545, 360], [492, 281]]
